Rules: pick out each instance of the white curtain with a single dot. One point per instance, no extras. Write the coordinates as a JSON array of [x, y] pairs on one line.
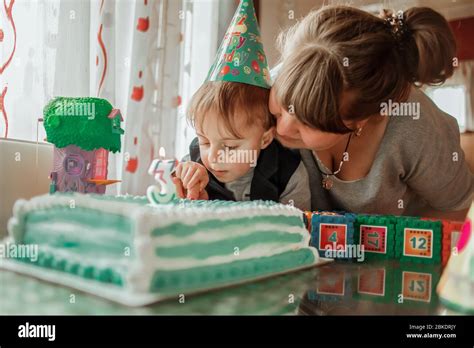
[[152, 98], [126, 51]]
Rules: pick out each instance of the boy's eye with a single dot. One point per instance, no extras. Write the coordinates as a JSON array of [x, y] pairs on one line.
[[203, 144], [231, 147]]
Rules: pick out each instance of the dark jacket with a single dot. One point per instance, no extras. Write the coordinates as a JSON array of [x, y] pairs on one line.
[[275, 166]]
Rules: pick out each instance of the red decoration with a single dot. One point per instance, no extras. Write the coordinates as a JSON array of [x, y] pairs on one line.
[[104, 53], [255, 66], [225, 69], [229, 57], [143, 24], [177, 101], [137, 93], [132, 165], [8, 11], [242, 20], [3, 111]]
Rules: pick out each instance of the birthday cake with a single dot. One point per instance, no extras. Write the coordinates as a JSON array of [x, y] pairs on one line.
[[174, 248]]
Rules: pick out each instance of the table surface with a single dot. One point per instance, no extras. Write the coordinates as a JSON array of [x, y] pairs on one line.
[[338, 288]]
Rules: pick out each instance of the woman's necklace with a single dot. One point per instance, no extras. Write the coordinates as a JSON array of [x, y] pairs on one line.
[[328, 182]]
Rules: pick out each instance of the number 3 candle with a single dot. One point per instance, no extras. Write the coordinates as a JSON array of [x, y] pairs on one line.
[[162, 170]]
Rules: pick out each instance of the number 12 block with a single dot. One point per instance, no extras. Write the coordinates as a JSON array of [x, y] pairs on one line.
[[418, 241]]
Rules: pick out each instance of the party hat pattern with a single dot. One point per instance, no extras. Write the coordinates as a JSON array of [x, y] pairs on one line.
[[241, 57]]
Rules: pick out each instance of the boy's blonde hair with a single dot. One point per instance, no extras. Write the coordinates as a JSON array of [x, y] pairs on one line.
[[340, 48], [227, 99]]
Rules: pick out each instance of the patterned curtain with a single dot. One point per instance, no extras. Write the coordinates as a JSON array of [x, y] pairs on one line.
[[153, 97], [128, 52]]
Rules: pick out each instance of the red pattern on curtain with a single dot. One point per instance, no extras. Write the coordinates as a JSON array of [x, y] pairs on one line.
[[9, 14]]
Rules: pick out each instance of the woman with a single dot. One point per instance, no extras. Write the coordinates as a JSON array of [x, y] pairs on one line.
[[372, 142]]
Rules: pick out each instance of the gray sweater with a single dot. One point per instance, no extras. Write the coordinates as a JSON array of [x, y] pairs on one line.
[[419, 164]]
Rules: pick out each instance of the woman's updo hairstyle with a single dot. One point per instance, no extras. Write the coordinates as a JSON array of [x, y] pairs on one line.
[[340, 48]]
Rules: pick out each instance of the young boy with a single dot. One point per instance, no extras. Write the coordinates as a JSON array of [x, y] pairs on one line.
[[235, 155]]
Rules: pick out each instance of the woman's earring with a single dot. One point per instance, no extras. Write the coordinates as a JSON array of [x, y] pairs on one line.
[[358, 132]]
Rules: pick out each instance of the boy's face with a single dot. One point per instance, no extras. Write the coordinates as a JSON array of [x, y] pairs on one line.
[[226, 156]]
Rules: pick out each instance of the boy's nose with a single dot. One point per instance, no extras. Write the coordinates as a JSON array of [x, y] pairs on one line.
[[212, 154]]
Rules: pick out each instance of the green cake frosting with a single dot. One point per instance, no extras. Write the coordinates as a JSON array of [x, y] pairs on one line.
[[82, 122], [237, 271]]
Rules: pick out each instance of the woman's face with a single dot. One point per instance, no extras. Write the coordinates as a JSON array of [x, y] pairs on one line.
[[294, 134]]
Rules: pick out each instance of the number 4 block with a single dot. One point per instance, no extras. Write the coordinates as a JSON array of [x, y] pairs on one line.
[[332, 234], [377, 235], [418, 240]]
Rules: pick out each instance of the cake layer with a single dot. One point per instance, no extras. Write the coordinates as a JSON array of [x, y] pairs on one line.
[[173, 219], [201, 251], [203, 277]]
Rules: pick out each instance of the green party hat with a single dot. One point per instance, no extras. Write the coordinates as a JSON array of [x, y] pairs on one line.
[[241, 57]]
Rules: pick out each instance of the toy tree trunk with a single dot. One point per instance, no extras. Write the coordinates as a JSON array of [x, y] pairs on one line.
[[73, 167]]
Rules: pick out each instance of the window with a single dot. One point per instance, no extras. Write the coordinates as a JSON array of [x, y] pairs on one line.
[[200, 46], [452, 100], [100, 170], [28, 40]]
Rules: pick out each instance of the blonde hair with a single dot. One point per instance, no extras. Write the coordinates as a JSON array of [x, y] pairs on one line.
[[231, 100], [341, 48]]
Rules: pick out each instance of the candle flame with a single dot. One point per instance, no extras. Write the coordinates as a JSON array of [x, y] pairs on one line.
[[162, 152]]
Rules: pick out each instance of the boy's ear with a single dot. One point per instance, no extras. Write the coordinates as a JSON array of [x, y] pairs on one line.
[[267, 137]]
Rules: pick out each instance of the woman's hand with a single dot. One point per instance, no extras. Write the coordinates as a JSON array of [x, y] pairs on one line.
[[191, 179]]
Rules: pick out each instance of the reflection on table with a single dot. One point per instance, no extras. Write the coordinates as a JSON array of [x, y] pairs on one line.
[[339, 288], [375, 288]]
